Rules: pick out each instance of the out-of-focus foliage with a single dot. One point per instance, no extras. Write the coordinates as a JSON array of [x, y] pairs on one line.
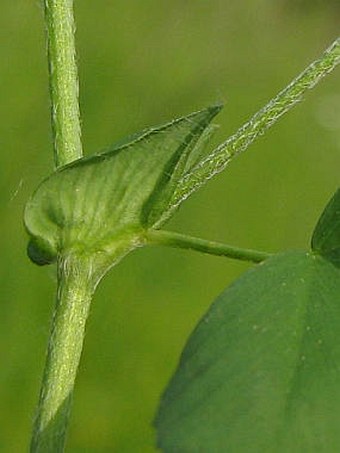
[[143, 63], [304, 6]]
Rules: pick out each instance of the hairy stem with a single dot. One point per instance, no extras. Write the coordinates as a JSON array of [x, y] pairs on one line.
[[257, 125], [63, 77], [177, 240], [76, 285]]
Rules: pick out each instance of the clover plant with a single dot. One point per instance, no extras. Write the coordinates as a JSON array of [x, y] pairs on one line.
[[261, 372]]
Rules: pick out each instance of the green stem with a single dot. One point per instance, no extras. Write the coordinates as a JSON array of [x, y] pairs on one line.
[[257, 125], [177, 240], [63, 77], [76, 285]]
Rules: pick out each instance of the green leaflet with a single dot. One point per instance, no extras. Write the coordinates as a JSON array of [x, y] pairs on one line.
[[326, 236], [261, 372], [105, 202]]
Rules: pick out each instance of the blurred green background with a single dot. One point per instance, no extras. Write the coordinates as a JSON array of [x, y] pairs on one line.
[[141, 63]]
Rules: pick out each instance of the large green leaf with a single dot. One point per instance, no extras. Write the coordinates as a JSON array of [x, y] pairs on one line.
[[261, 372], [326, 236], [96, 203]]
